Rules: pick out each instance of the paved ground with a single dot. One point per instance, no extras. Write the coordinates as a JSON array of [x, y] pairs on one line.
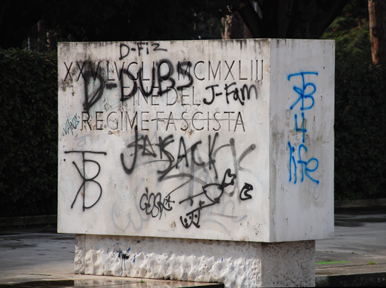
[[357, 254], [355, 257]]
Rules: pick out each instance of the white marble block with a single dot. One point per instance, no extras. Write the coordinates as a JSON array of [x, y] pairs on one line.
[[201, 144], [219, 140]]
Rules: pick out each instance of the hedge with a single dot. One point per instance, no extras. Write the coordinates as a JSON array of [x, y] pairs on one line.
[[360, 134], [28, 138]]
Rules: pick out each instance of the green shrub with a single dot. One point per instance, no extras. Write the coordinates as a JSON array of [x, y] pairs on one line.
[[28, 138], [360, 136]]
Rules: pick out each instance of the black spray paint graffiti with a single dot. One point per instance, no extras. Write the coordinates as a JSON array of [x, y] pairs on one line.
[[142, 150], [210, 195], [164, 77], [184, 154], [164, 81], [153, 204], [125, 50], [244, 195], [84, 179], [92, 96], [237, 94], [89, 73]]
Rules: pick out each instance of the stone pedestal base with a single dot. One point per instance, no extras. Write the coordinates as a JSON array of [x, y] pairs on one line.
[[236, 264]]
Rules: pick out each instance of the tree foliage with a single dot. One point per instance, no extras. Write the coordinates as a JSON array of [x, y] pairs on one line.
[[118, 20], [107, 20], [360, 107], [16, 19], [123, 20], [351, 33]]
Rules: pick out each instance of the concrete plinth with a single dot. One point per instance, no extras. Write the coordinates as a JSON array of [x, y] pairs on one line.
[[236, 264]]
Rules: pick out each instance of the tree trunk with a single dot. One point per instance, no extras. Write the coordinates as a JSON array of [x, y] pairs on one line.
[[377, 26], [288, 18], [233, 27]]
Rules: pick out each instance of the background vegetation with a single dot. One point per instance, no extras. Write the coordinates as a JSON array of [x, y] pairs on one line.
[[28, 138], [360, 108], [28, 90]]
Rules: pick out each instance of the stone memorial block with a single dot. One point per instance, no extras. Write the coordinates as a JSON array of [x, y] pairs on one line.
[[219, 140]]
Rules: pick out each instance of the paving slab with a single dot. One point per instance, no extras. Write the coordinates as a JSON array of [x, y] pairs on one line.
[[356, 256], [39, 257]]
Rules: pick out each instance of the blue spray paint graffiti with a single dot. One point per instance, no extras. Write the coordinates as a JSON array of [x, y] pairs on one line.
[[306, 100], [302, 90], [71, 124]]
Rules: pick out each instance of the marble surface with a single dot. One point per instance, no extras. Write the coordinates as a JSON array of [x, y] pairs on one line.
[[222, 140]]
